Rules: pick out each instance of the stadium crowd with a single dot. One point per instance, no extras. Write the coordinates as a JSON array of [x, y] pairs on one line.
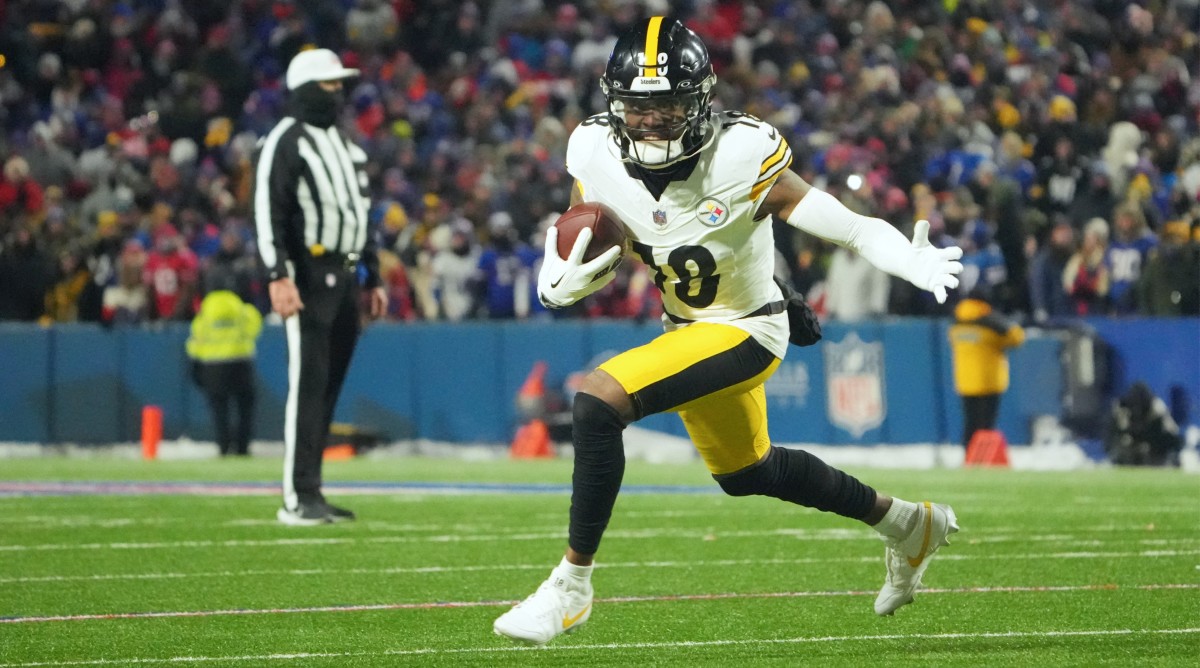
[[1057, 142]]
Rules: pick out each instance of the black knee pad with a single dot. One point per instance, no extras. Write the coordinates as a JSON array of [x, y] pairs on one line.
[[801, 478], [593, 418], [758, 478]]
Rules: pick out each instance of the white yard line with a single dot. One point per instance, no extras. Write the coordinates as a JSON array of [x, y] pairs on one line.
[[923, 637]]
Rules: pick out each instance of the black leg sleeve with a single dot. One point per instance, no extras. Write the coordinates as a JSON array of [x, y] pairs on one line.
[[801, 478], [599, 468]]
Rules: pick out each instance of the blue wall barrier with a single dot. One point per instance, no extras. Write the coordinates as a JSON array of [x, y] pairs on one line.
[[878, 382]]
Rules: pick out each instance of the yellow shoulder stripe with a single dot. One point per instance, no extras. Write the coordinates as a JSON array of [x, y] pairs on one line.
[[766, 182], [781, 149]]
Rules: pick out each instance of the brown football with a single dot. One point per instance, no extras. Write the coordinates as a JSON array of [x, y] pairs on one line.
[[607, 230]]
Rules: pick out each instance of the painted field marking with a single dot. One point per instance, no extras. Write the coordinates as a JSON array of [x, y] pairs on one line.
[[294, 656], [646, 532], [441, 605], [18, 488], [713, 563]]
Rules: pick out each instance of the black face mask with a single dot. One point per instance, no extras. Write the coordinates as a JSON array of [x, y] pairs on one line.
[[317, 106]]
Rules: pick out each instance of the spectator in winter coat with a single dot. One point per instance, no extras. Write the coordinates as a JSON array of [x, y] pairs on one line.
[[1126, 256], [1047, 294], [172, 274], [127, 301], [1086, 277], [26, 271], [19, 193], [855, 289], [1170, 284]]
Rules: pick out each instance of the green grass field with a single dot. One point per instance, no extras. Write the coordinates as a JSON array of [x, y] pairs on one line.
[[1086, 568]]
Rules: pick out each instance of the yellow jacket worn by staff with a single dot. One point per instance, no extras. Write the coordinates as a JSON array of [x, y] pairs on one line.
[[979, 340], [225, 329]]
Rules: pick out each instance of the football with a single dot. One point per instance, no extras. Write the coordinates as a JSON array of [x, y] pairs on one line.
[[607, 230]]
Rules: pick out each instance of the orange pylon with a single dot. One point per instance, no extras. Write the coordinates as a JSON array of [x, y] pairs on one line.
[[532, 441], [531, 397], [152, 417], [988, 447], [532, 438]]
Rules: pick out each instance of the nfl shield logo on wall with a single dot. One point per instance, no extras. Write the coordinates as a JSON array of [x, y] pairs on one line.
[[854, 377]]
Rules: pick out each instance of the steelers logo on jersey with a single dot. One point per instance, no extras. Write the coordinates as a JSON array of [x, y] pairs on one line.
[[712, 212]]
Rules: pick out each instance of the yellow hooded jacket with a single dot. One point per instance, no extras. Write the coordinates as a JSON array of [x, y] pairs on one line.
[[225, 329], [978, 340]]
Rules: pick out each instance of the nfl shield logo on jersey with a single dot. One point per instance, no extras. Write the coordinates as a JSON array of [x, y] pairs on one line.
[[854, 378], [660, 217]]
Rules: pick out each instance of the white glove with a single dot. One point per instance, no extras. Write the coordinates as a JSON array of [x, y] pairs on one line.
[[564, 282], [931, 268]]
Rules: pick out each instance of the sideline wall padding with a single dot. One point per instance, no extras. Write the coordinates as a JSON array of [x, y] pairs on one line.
[[1163, 353], [24, 391], [458, 382], [87, 389], [153, 361]]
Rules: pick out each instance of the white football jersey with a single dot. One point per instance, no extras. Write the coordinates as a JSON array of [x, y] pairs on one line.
[[708, 256]]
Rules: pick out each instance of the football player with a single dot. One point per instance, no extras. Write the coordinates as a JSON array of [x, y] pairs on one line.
[[696, 191]]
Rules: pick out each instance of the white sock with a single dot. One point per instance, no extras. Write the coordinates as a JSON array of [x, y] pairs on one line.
[[582, 573], [899, 521]]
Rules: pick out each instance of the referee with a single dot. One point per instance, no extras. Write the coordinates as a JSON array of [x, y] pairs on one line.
[[310, 211]]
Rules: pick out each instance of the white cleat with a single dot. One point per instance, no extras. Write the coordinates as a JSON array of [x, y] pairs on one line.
[[560, 605], [304, 515], [907, 559]]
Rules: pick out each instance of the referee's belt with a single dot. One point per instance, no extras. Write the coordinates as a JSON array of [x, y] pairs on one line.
[[348, 261], [770, 308]]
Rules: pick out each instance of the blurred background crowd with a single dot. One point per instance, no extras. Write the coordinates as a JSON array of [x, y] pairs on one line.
[[1057, 142]]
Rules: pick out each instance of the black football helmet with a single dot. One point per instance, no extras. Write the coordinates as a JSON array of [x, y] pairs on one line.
[[658, 84]]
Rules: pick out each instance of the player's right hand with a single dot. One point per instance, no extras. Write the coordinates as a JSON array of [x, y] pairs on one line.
[[285, 298], [564, 282]]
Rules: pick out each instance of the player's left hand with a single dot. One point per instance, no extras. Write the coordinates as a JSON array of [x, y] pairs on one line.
[[378, 303], [932, 268]]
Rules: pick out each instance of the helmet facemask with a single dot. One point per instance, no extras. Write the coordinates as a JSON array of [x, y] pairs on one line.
[[660, 128]]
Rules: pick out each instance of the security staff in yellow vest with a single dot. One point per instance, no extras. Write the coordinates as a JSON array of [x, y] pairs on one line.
[[979, 341], [221, 346]]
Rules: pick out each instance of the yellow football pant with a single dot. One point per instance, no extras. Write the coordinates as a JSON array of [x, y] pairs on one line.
[[712, 375]]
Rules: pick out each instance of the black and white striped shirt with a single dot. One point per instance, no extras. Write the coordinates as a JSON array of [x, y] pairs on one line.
[[310, 198]]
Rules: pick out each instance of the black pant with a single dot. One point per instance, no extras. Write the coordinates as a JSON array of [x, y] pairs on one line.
[[979, 413], [321, 341], [227, 385]]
